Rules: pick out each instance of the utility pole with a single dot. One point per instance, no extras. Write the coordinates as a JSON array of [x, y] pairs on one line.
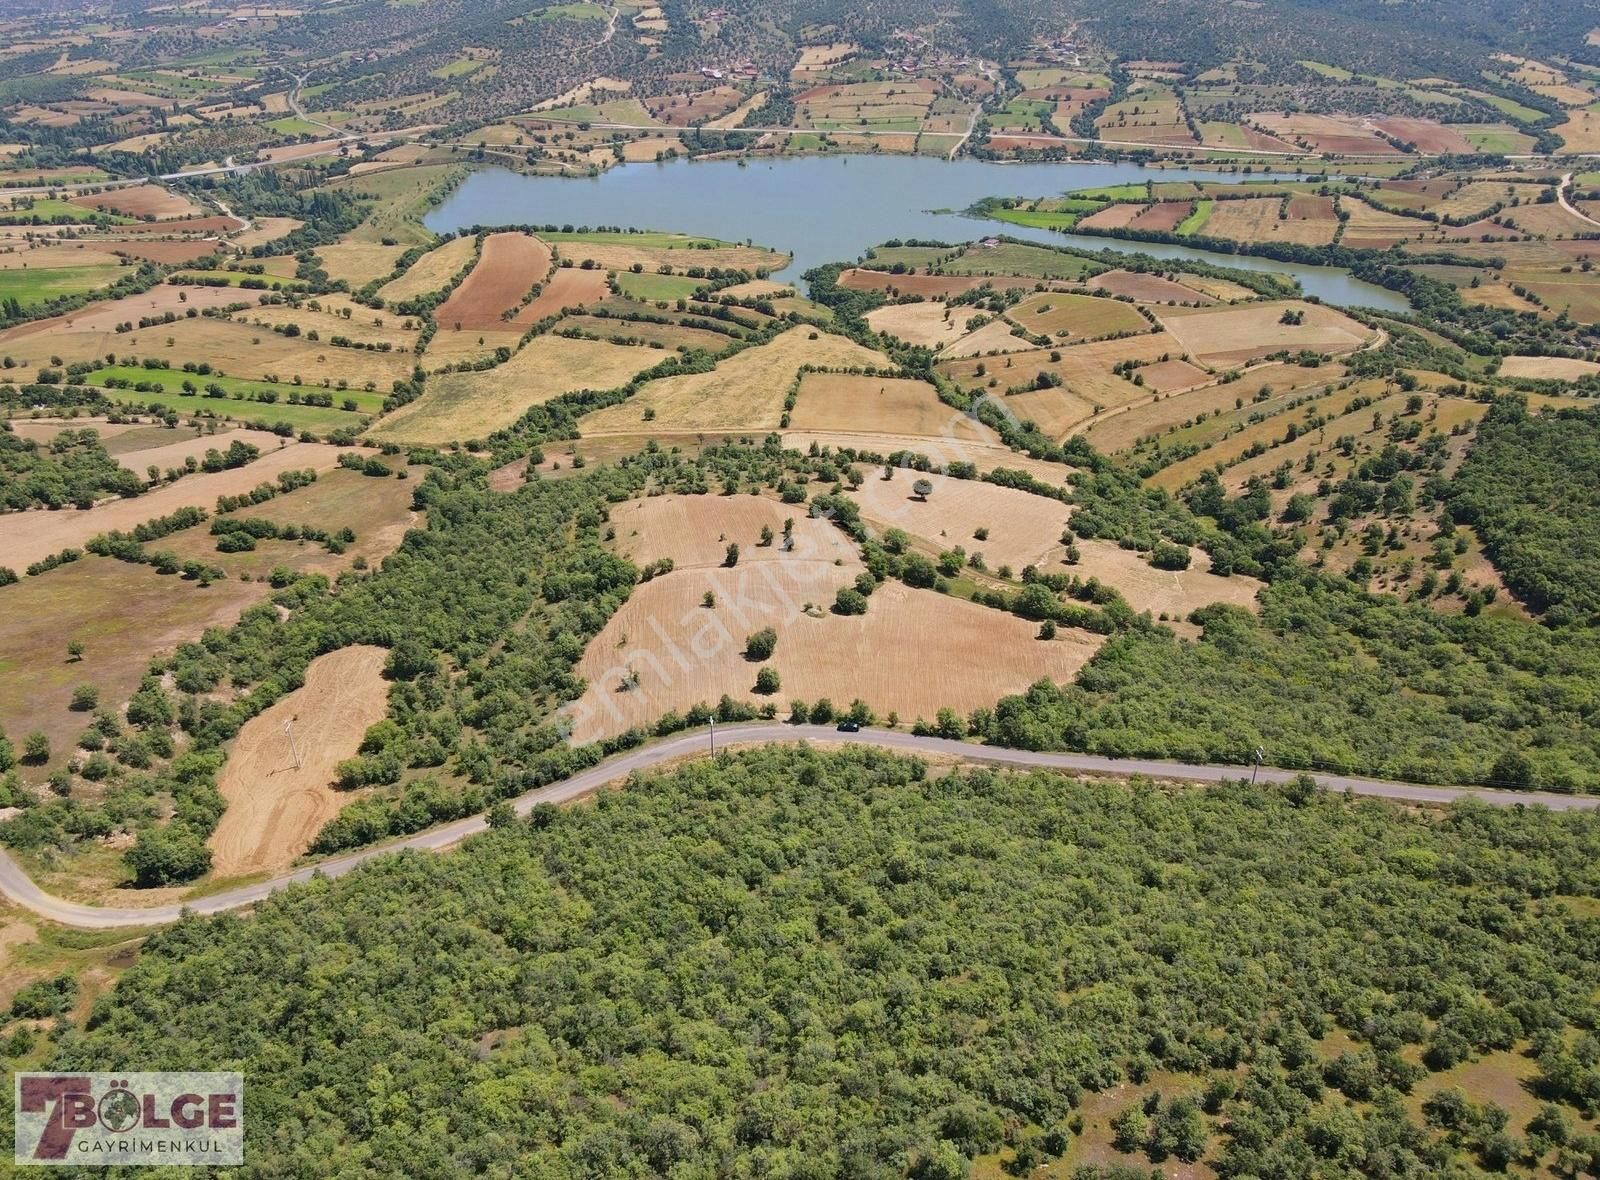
[[288, 732], [713, 735], [1260, 754]]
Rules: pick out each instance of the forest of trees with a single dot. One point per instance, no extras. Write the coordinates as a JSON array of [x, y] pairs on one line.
[[73, 470], [792, 964], [1528, 486]]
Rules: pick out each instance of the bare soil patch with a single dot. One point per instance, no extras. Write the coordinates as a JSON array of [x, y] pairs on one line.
[[930, 323], [144, 200], [1549, 368], [1235, 335], [841, 402], [1146, 288], [1023, 529], [568, 287], [1171, 592], [508, 267], [1170, 376], [913, 652], [172, 454], [275, 807], [695, 531]]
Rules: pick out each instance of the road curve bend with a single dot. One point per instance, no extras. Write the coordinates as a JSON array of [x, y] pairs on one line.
[[16, 886]]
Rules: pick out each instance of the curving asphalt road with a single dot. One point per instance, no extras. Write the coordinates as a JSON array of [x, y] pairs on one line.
[[18, 887]]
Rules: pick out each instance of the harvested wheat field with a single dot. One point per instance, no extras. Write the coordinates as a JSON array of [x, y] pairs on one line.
[[274, 806], [744, 392], [459, 406], [1547, 368], [930, 323], [30, 536], [172, 454], [913, 652], [447, 349], [928, 286], [101, 319], [1174, 593], [168, 251], [1086, 369], [695, 531], [941, 452], [359, 263], [1023, 529], [1172, 376], [620, 251], [142, 201], [510, 264], [994, 337], [266, 229], [50, 253], [432, 272], [1236, 335], [844, 402]]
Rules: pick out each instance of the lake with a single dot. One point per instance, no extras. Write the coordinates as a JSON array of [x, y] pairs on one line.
[[831, 208]]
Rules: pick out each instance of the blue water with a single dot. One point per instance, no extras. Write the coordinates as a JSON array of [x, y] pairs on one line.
[[832, 208]]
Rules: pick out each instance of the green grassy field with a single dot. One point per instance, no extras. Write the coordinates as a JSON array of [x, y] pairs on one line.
[[1193, 223], [244, 387], [459, 68], [1014, 258], [293, 125], [1037, 218], [241, 402], [651, 286], [56, 211], [30, 287]]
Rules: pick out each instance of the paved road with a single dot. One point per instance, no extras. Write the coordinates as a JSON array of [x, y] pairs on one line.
[[17, 887]]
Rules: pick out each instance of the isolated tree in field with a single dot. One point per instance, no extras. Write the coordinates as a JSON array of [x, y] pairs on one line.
[[75, 651], [760, 645], [923, 488], [36, 748], [766, 536], [85, 698], [731, 556], [768, 681], [850, 601], [708, 600]]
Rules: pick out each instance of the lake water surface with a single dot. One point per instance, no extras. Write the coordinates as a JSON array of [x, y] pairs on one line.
[[831, 208]]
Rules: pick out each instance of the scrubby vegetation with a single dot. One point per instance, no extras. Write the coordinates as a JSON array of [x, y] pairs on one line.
[[796, 964], [1528, 487]]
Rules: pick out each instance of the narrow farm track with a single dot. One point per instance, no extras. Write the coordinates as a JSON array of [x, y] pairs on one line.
[[1568, 206], [16, 886]]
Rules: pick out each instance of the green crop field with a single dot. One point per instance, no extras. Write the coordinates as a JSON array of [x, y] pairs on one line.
[[651, 286], [34, 286]]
